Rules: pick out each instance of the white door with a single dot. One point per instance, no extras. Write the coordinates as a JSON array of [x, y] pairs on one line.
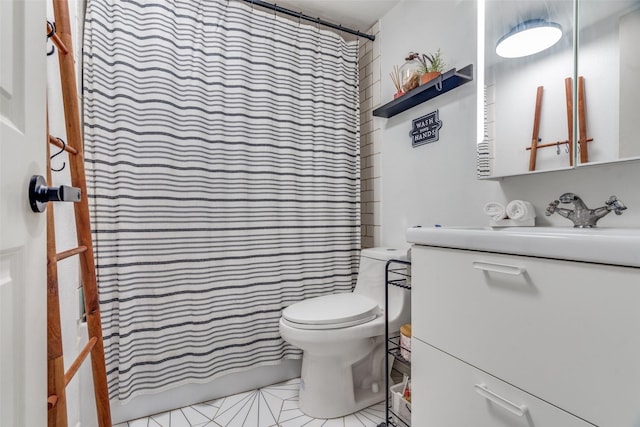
[[23, 320]]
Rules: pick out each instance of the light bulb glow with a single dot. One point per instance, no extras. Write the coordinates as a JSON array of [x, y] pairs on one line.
[[528, 38]]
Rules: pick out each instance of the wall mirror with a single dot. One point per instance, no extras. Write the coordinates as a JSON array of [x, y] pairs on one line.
[[569, 104], [609, 60]]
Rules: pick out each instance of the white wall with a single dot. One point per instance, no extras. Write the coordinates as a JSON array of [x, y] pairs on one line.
[[433, 183], [370, 138], [436, 183]]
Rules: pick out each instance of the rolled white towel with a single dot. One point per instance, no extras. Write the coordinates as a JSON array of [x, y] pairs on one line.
[[495, 210], [520, 210]]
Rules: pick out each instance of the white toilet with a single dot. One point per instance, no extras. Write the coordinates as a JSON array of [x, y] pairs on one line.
[[342, 336]]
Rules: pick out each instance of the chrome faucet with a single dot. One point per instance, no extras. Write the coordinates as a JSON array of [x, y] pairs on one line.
[[581, 215]]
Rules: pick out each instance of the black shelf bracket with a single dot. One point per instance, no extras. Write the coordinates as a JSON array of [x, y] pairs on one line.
[[436, 87]]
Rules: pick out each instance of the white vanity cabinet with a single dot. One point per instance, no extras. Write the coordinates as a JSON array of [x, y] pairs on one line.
[[511, 340]]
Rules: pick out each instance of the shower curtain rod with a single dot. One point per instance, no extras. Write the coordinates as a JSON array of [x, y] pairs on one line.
[[301, 15]]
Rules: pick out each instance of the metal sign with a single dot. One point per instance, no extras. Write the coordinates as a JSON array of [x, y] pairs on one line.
[[425, 129]]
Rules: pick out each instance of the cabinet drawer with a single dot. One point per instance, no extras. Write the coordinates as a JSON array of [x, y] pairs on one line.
[[566, 332], [454, 394]]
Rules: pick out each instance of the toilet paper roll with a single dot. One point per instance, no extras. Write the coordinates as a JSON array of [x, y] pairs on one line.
[[520, 210], [495, 210]]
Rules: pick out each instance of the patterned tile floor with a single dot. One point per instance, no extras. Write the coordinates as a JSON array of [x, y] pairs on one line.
[[276, 405]]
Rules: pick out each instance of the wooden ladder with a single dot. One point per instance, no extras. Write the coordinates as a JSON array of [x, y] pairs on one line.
[[582, 125], [57, 379]]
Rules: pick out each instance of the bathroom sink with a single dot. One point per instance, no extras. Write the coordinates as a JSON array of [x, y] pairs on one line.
[[617, 246]]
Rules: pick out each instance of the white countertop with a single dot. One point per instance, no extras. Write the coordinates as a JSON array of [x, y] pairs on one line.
[[616, 246]]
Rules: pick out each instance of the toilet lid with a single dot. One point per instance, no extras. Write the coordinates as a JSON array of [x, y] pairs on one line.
[[331, 311]]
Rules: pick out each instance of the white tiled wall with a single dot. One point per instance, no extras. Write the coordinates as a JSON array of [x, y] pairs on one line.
[[370, 137]]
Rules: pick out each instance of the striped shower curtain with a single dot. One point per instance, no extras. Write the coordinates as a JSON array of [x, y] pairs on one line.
[[222, 153]]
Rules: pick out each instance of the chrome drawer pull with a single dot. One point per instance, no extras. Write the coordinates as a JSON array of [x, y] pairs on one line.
[[519, 410], [499, 268]]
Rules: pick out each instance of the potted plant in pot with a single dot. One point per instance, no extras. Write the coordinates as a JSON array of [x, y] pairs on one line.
[[433, 66]]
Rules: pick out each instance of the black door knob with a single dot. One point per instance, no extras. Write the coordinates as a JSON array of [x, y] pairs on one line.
[[40, 194]]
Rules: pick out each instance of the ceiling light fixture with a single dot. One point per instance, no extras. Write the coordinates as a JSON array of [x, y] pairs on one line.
[[529, 37]]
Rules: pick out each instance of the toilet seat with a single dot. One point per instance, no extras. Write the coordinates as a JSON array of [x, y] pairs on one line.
[[331, 311]]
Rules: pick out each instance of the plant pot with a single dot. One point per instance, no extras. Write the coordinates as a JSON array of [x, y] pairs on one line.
[[427, 77], [398, 94]]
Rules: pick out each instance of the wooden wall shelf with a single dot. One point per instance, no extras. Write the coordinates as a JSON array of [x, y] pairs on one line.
[[436, 87]]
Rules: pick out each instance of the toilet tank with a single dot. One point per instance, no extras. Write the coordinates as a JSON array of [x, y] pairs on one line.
[[371, 273]]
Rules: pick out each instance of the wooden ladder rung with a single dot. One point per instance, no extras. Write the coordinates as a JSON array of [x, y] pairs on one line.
[[76, 363], [71, 252], [56, 40], [555, 144], [55, 141], [51, 402]]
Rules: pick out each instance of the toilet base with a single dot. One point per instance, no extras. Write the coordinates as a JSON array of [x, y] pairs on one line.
[[327, 388]]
